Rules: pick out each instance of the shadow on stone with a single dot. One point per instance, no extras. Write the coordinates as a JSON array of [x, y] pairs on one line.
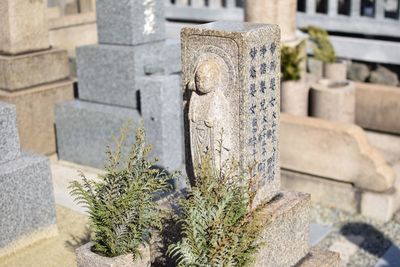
[[373, 240], [76, 241]]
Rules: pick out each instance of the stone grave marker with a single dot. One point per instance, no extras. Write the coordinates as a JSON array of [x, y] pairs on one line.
[[231, 81], [231, 73], [27, 208]]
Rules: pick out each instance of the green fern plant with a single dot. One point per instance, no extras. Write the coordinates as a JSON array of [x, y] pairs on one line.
[[291, 58], [220, 227], [120, 203], [322, 46]]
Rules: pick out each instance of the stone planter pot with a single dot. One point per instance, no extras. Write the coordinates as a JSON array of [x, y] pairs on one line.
[[85, 257], [282, 12], [315, 68], [333, 101], [294, 97], [335, 71]]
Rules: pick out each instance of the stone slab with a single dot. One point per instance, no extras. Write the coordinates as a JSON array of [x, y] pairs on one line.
[[9, 139], [318, 232], [327, 192], [169, 59], [378, 107], [161, 108], [84, 130], [35, 113], [333, 150], [238, 98], [382, 206], [108, 73], [391, 258], [320, 258], [286, 230], [130, 22], [28, 70], [388, 144], [85, 257], [23, 26], [27, 200]]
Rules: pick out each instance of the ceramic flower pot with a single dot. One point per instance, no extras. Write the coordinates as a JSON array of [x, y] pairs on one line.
[[294, 97], [333, 101], [85, 257]]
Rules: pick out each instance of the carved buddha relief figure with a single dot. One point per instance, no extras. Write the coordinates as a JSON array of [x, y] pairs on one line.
[[209, 115]]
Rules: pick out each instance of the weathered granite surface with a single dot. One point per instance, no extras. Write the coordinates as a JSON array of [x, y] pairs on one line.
[[378, 107], [84, 129], [27, 201], [9, 139], [108, 73], [161, 107], [86, 258], [231, 79], [23, 26], [33, 69], [35, 113], [130, 22], [286, 230], [320, 258]]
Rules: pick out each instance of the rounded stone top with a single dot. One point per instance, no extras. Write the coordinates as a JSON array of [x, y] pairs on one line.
[[207, 77]]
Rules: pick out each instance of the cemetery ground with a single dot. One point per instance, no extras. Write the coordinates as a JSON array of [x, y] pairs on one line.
[[361, 241]]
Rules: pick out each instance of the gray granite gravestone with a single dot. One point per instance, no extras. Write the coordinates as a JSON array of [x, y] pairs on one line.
[[231, 80], [27, 208], [122, 79]]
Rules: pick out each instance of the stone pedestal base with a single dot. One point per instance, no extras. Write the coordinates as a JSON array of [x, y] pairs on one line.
[[286, 234], [27, 202], [28, 70], [35, 113], [84, 130], [286, 231], [320, 258]]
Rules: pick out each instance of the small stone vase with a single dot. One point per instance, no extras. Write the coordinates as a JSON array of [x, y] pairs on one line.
[[294, 97], [85, 257], [333, 101], [335, 71]]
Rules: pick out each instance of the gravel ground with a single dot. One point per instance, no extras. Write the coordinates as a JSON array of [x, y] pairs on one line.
[[371, 238]]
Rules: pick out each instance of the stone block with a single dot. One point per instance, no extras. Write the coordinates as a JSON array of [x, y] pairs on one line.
[[333, 150], [84, 130], [169, 59], [35, 113], [108, 73], [382, 206], [388, 144], [161, 106], [9, 139], [286, 230], [320, 258], [130, 22], [327, 192], [358, 72], [27, 201], [385, 76], [27, 70], [231, 79], [85, 257], [378, 107], [23, 26]]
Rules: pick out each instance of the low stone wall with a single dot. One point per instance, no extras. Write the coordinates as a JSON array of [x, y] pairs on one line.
[[378, 107]]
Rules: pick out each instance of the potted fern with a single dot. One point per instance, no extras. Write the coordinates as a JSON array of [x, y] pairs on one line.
[[333, 69], [294, 90], [120, 205], [220, 225]]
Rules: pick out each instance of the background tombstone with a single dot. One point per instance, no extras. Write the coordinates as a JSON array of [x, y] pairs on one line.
[[33, 76], [27, 205], [123, 78], [231, 79]]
